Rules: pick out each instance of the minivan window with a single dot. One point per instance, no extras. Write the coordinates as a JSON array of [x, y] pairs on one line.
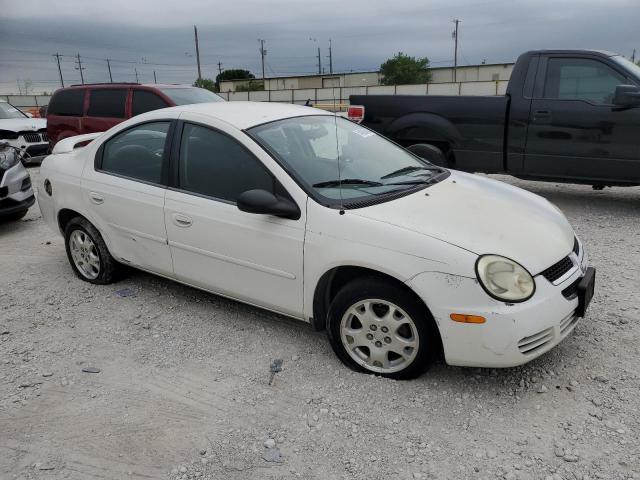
[[145, 101], [188, 95], [581, 79], [107, 102], [137, 153], [215, 165], [67, 103]]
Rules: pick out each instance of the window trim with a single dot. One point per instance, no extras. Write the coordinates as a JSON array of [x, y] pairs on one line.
[[542, 75], [174, 168], [124, 106], [166, 154]]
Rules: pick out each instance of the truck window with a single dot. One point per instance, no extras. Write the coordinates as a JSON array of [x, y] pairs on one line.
[[581, 79], [69, 103], [144, 101], [107, 103]]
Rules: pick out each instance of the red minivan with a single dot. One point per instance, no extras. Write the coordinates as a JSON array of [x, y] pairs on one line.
[[97, 107]]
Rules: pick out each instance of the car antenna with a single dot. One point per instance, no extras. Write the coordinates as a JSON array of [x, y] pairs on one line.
[[335, 123]]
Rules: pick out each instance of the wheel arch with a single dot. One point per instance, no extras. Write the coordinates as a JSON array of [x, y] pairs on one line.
[[65, 215]]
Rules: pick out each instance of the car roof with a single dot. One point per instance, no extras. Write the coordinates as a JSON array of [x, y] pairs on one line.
[[244, 115]]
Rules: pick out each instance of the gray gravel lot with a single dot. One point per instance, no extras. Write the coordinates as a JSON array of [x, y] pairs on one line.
[[183, 389]]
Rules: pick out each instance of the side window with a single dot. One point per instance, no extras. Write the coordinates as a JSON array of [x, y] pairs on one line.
[[214, 164], [581, 79], [144, 101], [107, 103], [137, 153], [68, 103]]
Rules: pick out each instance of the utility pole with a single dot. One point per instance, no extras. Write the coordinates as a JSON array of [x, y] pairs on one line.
[[263, 52], [455, 53], [57, 55], [633, 56], [195, 31], [155, 80], [135, 69], [80, 67], [109, 68], [319, 63], [330, 58], [220, 68]]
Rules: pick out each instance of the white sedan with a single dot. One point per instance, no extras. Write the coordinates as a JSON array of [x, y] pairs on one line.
[[309, 215]]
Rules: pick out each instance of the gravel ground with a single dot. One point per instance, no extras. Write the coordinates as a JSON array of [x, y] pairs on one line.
[[183, 392]]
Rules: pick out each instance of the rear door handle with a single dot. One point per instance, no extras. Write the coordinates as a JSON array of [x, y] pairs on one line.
[[541, 114], [181, 220], [96, 198]]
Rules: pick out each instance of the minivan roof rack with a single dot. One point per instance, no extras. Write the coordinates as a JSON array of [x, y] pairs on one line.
[[104, 83]]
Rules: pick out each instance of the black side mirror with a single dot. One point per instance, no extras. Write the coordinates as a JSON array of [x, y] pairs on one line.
[[627, 96], [266, 203]]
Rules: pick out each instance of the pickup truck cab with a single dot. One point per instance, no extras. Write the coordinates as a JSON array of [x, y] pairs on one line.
[[568, 115]]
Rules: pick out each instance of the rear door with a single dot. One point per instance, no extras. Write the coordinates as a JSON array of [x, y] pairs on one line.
[[575, 132], [124, 191], [106, 108]]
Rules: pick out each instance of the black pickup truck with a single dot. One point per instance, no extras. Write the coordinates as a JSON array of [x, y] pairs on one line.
[[568, 115]]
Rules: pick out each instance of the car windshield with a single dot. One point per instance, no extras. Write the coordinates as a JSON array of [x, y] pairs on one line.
[[8, 111], [188, 95], [628, 65], [339, 160]]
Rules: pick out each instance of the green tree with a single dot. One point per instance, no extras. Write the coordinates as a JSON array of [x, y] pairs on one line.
[[234, 74], [206, 83], [250, 86], [405, 70]]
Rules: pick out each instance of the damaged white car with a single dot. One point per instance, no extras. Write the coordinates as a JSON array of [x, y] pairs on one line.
[[26, 134], [297, 211]]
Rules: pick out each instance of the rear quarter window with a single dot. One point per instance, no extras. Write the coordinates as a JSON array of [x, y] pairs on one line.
[[107, 103], [68, 103]]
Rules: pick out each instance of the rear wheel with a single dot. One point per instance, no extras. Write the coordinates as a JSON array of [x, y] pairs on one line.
[[378, 327], [88, 254]]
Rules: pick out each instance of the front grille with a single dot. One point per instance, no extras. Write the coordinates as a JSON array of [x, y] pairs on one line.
[[32, 137], [45, 137], [536, 341], [568, 322], [557, 270], [571, 291]]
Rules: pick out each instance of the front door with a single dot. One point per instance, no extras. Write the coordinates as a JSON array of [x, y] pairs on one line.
[[125, 190], [575, 131], [215, 246]]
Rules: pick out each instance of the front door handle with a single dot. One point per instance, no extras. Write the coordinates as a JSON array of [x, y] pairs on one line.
[[541, 114], [96, 198], [181, 220]]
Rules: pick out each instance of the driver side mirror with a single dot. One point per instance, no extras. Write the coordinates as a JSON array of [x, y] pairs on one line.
[[266, 203], [627, 96]]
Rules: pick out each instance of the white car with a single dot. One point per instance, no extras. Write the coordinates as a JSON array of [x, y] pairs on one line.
[[28, 135], [309, 215]]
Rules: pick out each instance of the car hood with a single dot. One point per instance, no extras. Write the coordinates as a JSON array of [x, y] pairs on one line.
[[22, 124], [483, 216]]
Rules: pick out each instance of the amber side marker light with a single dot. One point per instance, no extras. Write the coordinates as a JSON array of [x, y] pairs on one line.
[[459, 317]]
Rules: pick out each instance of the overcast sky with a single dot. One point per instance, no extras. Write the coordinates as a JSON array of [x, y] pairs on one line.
[[150, 35]]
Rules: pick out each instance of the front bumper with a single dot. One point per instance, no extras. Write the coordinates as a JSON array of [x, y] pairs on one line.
[[513, 334], [16, 192]]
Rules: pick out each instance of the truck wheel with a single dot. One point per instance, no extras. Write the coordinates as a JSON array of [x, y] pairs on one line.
[[88, 254], [376, 327], [430, 153]]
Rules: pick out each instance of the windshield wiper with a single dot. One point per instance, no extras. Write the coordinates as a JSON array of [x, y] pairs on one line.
[[403, 170], [347, 181]]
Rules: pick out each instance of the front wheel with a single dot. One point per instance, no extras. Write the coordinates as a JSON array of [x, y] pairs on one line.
[[88, 254], [378, 327]]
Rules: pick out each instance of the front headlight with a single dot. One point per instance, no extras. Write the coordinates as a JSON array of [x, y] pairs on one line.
[[8, 158], [504, 279]]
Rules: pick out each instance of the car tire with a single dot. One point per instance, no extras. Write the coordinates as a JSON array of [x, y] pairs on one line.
[[430, 153], [88, 254], [376, 326], [14, 217]]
